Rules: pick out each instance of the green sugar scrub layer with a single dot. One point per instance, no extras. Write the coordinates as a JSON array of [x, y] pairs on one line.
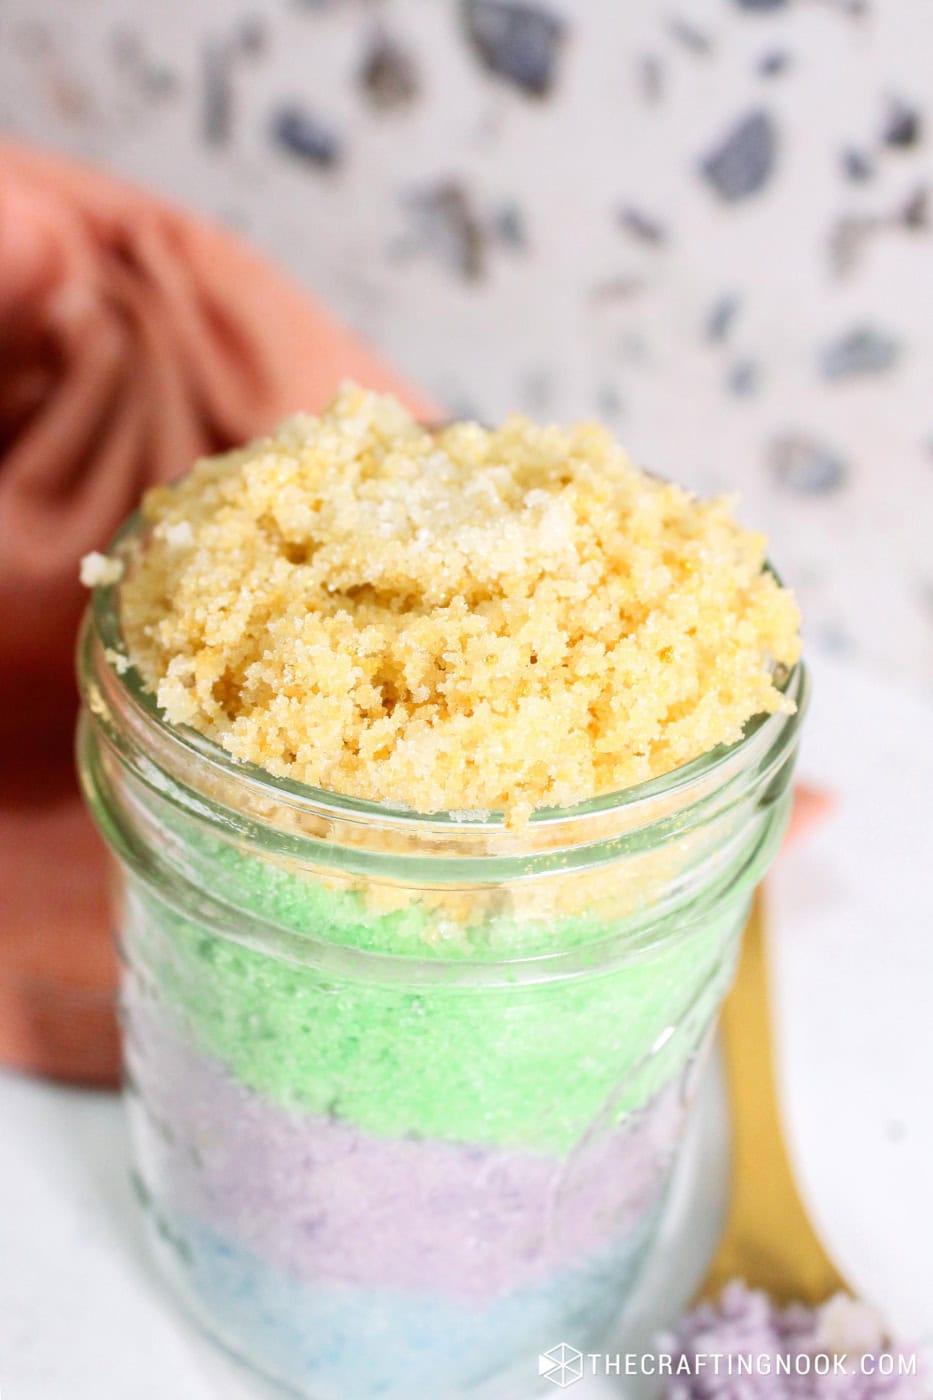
[[461, 619], [527, 1066], [458, 620]]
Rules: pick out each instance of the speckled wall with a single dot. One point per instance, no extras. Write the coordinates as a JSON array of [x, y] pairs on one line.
[[706, 221]]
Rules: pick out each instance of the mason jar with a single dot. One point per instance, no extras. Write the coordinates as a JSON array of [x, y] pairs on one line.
[[406, 1090]]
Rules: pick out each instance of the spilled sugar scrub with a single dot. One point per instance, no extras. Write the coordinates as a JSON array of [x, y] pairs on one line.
[[406, 1094], [462, 619], [756, 1338]]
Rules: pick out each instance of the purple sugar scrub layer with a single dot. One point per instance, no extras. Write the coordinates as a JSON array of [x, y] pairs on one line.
[[747, 1324], [323, 1201]]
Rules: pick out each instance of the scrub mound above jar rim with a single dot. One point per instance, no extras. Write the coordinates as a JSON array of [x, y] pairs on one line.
[[460, 620]]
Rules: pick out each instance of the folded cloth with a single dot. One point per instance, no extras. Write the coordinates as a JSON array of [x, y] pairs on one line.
[[134, 338]]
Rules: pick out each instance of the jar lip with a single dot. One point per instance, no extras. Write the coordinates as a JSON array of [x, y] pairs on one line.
[[324, 802]]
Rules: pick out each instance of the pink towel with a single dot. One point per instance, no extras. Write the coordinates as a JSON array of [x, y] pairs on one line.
[[133, 338]]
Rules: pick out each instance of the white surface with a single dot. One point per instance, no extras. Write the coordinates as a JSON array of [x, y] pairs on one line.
[[853, 957], [83, 1316]]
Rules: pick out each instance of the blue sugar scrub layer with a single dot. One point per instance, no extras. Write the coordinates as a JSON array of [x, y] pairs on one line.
[[346, 1343]]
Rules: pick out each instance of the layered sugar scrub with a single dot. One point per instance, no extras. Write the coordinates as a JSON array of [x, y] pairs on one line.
[[440, 766]]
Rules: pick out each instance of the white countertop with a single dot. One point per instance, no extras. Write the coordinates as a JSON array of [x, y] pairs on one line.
[[84, 1317]]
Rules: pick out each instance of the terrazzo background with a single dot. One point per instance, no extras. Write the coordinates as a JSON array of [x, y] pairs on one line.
[[707, 222]]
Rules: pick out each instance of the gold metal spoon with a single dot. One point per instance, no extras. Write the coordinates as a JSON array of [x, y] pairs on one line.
[[769, 1239]]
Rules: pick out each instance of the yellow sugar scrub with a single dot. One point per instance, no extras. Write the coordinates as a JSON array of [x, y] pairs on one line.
[[454, 619]]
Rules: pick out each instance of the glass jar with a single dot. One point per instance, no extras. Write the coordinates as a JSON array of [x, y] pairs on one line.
[[406, 1091]]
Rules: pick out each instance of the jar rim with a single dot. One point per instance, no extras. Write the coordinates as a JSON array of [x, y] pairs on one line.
[[327, 803]]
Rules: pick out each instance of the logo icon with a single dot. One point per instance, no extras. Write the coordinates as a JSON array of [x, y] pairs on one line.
[[562, 1365]]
